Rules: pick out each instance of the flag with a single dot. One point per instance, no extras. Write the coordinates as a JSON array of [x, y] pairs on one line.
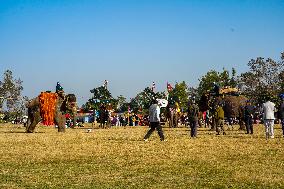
[[169, 87], [105, 84], [162, 103], [153, 86]]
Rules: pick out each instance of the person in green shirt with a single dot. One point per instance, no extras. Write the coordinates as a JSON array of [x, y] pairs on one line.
[[220, 116]]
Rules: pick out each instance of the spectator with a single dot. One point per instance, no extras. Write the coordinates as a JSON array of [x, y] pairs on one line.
[[268, 118]]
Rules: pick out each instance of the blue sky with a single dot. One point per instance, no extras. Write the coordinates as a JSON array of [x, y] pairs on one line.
[[132, 43]]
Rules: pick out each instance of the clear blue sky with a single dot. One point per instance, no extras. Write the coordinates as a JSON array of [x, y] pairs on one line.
[[133, 42]]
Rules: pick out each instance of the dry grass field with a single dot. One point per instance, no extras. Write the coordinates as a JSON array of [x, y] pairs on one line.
[[119, 158]]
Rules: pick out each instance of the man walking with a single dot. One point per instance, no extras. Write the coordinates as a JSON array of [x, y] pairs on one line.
[[192, 113], [268, 118], [154, 119]]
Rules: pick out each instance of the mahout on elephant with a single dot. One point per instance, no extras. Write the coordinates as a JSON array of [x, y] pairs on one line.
[[56, 111]]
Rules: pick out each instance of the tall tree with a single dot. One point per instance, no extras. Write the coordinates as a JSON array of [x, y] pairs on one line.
[[101, 95], [10, 94], [223, 79], [263, 79], [142, 101], [180, 94], [122, 104]]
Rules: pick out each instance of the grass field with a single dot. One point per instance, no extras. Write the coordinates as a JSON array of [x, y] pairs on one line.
[[119, 158]]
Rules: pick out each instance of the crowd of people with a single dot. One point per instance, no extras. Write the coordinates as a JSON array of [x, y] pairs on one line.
[[268, 111], [215, 117]]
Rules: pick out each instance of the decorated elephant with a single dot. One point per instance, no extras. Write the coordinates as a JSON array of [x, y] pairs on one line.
[[232, 105], [54, 114]]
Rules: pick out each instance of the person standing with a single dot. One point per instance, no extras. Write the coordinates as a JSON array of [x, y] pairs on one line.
[[248, 114], [154, 119], [281, 113], [220, 116], [192, 113], [268, 118]]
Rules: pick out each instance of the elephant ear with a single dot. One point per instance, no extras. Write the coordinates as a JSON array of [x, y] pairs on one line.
[[70, 103], [71, 98]]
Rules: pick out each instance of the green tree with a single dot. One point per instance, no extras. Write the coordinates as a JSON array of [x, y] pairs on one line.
[[142, 101], [180, 94], [223, 79], [10, 94], [101, 95], [264, 78], [122, 104]]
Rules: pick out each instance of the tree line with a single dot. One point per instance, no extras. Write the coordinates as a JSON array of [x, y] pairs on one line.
[[265, 77]]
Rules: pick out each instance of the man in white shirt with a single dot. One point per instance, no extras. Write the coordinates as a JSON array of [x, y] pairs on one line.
[[154, 119], [268, 118]]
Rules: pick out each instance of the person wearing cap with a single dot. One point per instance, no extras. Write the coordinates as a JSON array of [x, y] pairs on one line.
[[59, 91], [58, 87], [268, 117], [192, 113], [154, 119], [248, 114]]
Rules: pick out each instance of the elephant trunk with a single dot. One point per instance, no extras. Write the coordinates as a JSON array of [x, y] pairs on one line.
[[74, 113]]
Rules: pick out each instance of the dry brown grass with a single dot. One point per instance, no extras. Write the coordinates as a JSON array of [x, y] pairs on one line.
[[119, 158]]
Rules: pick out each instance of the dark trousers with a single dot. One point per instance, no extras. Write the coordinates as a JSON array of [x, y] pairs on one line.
[[249, 125], [193, 128], [153, 127], [282, 123]]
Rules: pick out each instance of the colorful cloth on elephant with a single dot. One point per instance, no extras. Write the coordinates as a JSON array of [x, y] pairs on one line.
[[47, 107]]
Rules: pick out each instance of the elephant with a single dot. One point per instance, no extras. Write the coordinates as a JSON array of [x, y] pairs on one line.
[[233, 108], [64, 104], [232, 104]]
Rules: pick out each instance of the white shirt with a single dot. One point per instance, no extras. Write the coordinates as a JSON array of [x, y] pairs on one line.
[[154, 113], [268, 110]]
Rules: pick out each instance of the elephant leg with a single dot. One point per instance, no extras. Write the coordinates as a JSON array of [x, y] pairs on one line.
[[169, 122], [60, 121], [73, 121], [34, 119], [213, 126], [175, 121], [242, 125], [172, 121]]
